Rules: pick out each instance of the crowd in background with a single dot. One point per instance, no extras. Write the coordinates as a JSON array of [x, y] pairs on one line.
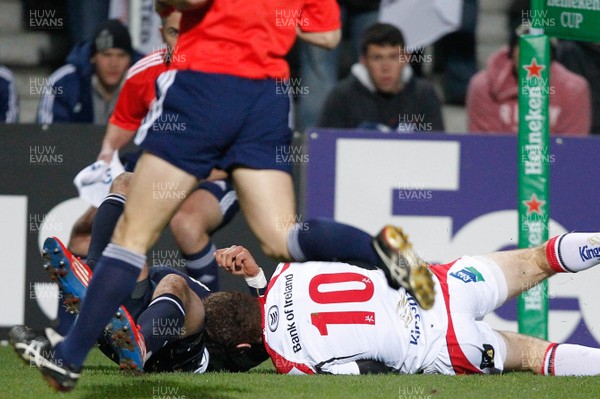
[[373, 80]]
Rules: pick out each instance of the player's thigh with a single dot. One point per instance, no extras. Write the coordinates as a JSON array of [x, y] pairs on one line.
[[267, 200], [156, 190]]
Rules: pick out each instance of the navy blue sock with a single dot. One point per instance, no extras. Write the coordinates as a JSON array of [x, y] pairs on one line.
[[105, 221], [327, 240], [162, 322], [113, 280], [203, 267], [65, 319]]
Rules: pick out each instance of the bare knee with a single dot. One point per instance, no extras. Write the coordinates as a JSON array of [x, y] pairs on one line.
[[173, 284], [191, 233], [121, 184]]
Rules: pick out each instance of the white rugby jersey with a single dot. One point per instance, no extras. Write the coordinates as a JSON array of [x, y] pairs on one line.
[[323, 317]]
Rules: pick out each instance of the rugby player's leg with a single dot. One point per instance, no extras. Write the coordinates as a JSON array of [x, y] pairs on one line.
[[267, 200], [524, 268], [175, 312], [97, 238], [150, 205], [206, 210], [525, 353], [108, 215]]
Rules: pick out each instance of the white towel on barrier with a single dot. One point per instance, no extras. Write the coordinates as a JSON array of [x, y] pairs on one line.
[[93, 182]]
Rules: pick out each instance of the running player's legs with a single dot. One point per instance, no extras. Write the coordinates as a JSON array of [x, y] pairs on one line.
[[157, 189], [267, 200]]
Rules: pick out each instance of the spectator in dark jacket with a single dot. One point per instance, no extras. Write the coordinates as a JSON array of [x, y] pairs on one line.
[[382, 89], [86, 89], [9, 99]]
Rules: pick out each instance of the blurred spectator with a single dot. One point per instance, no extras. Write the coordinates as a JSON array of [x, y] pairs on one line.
[[9, 98], [86, 89], [583, 58], [320, 68], [492, 97], [382, 89]]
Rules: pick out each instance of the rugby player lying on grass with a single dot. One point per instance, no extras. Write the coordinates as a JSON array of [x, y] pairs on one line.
[[323, 317]]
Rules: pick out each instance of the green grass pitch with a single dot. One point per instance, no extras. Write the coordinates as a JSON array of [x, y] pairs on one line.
[[102, 379]]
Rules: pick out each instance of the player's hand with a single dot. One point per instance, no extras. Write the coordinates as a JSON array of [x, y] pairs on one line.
[[237, 260], [106, 154]]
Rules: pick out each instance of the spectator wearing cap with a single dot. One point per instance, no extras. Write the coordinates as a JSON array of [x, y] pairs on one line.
[[9, 99], [493, 96], [85, 90]]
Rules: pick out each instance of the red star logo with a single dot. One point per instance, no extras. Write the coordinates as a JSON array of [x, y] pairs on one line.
[[534, 205], [534, 69]]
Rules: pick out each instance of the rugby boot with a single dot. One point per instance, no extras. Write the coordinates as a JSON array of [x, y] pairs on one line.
[[38, 351], [402, 267], [126, 341], [69, 272]]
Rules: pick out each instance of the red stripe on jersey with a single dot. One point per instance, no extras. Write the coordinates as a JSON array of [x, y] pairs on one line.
[[282, 365], [460, 363], [551, 257], [274, 278]]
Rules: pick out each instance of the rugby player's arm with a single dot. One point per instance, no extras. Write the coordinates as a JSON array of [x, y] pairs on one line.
[[239, 261], [115, 138], [328, 39]]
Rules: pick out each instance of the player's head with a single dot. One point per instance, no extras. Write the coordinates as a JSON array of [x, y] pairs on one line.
[[111, 53], [233, 326], [170, 28], [382, 54]]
